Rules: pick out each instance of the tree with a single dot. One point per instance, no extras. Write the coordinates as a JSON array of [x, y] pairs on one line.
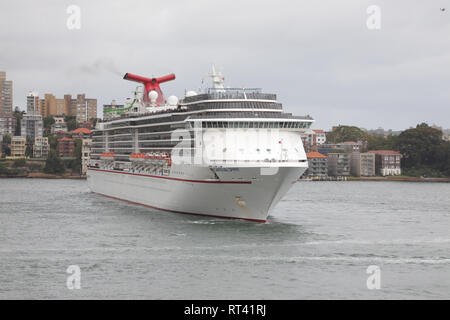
[[19, 163], [29, 147], [67, 118], [72, 125], [5, 144], [346, 133], [76, 163], [53, 142], [54, 164], [19, 116], [6, 138], [418, 145], [48, 121], [380, 142], [424, 152]]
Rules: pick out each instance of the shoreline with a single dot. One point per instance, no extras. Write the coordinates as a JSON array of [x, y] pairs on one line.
[[390, 178], [40, 175], [394, 178]]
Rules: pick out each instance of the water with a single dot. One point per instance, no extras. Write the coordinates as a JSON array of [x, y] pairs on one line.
[[317, 244]]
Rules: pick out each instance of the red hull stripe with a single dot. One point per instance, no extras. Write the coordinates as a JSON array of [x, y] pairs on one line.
[[176, 179], [182, 212]]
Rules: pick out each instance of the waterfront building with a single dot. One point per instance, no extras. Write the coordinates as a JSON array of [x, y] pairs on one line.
[[32, 126], [339, 164], [18, 147], [362, 164], [65, 147], [6, 94], [40, 147], [317, 165], [7, 124], [387, 162]]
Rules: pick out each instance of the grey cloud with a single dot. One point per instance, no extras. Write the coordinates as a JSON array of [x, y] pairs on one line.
[[319, 57]]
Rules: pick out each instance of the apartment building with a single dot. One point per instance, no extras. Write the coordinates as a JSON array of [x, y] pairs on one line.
[[7, 124], [33, 103], [81, 107], [32, 126], [362, 164], [339, 164], [387, 162], [40, 147], [317, 165], [6, 94], [65, 147], [18, 147]]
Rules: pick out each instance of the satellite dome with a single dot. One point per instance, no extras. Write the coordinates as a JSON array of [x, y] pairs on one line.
[[191, 93], [172, 101], [153, 95]]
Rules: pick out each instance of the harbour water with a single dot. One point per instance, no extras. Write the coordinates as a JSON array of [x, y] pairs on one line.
[[318, 244]]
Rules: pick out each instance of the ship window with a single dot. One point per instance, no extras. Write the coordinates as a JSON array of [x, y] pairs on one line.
[[245, 124], [250, 125]]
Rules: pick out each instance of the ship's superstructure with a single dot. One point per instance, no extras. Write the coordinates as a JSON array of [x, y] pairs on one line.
[[225, 152]]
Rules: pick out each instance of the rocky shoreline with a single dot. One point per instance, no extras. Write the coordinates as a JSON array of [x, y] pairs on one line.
[[41, 175]]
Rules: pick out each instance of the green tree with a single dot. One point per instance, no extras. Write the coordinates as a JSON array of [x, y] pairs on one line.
[[379, 142], [6, 138], [72, 125], [76, 163], [424, 152], [68, 118], [29, 147], [48, 121], [19, 163], [94, 121], [53, 142], [18, 114], [346, 133], [54, 164], [418, 145]]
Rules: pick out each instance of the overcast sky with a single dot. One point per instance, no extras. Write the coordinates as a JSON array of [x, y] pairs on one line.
[[319, 57]]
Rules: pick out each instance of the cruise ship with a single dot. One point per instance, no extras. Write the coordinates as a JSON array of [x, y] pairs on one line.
[[221, 152]]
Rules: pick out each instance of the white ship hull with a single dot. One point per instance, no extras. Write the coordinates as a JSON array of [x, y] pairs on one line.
[[241, 193]]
